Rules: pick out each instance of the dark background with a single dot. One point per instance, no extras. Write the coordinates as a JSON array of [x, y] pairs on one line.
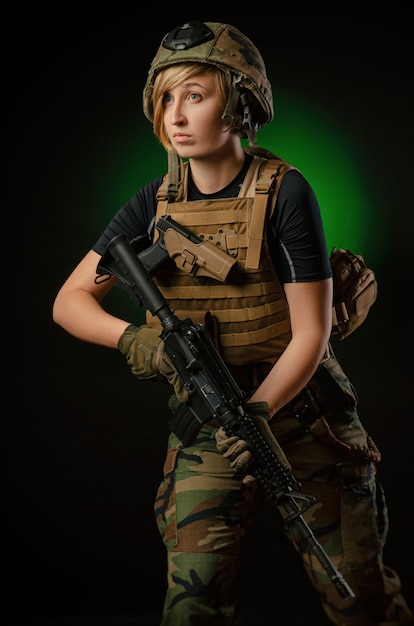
[[84, 442]]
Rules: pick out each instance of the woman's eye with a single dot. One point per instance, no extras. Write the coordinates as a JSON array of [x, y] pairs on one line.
[[167, 98], [194, 96]]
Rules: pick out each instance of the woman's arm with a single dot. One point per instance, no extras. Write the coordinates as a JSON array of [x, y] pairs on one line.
[[310, 306], [77, 306]]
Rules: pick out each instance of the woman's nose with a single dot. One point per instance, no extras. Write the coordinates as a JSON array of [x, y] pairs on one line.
[[177, 115]]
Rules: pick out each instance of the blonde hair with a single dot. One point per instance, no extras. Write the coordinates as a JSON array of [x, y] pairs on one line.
[[167, 78]]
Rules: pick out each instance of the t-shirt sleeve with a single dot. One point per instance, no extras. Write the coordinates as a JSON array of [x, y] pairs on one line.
[[135, 219], [296, 235]]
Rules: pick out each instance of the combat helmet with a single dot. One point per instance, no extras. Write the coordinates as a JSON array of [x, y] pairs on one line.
[[226, 47]]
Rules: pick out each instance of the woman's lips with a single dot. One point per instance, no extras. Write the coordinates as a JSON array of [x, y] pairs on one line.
[[181, 138]]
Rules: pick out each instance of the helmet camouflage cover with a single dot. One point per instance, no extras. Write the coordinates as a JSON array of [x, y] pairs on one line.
[[216, 44]]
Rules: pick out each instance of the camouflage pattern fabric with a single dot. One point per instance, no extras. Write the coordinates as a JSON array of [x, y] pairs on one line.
[[203, 512]]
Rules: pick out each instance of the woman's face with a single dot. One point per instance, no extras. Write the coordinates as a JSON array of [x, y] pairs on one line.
[[192, 118]]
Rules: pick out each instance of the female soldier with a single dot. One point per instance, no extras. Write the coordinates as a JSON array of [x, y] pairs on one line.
[[271, 319]]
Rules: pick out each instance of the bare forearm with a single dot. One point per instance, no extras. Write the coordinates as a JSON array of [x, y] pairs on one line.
[[290, 374], [311, 322], [77, 307], [81, 315]]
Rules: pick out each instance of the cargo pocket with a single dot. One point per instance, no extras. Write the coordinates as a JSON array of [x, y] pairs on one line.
[[165, 506]]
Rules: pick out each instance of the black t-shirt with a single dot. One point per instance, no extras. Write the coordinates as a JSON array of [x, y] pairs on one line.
[[296, 236]]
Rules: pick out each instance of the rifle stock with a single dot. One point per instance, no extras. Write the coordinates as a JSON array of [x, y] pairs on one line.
[[214, 394]]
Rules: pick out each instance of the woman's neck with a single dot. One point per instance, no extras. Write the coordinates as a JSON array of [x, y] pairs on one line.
[[213, 174]]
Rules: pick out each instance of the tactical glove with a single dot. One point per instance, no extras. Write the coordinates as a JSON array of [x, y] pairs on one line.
[[145, 354], [166, 368], [237, 450]]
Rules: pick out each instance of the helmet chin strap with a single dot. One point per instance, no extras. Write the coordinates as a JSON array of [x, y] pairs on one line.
[[237, 94], [247, 124]]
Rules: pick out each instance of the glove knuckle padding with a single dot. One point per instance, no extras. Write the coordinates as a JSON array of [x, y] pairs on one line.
[[237, 450], [223, 441], [234, 449], [243, 461], [139, 345]]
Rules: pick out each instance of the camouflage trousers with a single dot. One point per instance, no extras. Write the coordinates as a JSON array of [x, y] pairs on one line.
[[204, 511]]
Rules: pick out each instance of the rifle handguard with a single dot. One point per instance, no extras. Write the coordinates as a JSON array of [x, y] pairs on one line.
[[259, 414]]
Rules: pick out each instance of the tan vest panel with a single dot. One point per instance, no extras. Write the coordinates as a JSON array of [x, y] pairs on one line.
[[247, 317]]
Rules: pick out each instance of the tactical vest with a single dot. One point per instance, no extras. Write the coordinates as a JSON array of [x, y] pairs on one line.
[[247, 316]]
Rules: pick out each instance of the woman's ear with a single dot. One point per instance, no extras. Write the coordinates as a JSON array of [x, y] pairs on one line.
[[228, 124]]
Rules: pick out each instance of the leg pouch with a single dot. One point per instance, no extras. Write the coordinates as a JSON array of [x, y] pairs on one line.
[[332, 389]]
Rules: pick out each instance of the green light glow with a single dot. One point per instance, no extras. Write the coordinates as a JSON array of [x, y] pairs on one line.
[[315, 143]]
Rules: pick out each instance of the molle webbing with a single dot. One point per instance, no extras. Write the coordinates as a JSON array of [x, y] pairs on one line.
[[209, 291], [244, 316], [197, 218]]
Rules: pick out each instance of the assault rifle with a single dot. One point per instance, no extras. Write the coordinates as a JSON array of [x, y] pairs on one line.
[[215, 395]]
